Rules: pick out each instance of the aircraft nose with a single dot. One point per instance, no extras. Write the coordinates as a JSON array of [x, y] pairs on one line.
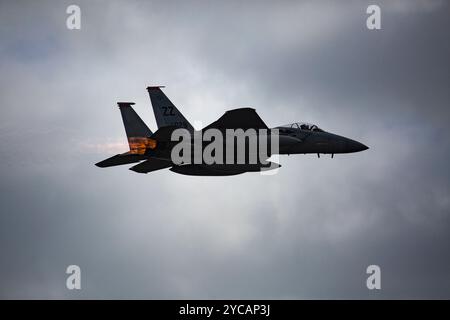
[[355, 146]]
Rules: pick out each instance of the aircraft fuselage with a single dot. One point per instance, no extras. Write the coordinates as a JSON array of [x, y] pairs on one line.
[[239, 141]]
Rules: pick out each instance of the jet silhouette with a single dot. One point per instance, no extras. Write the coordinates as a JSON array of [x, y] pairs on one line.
[[155, 151]]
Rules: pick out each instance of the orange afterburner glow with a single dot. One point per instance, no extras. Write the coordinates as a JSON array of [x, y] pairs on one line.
[[138, 145]]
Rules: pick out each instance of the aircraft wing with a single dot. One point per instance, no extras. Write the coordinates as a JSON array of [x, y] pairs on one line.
[[242, 118]]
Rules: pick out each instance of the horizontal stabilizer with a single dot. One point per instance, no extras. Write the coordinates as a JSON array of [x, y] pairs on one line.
[[119, 159], [151, 164]]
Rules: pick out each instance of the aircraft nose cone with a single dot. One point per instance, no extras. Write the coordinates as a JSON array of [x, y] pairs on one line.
[[355, 146]]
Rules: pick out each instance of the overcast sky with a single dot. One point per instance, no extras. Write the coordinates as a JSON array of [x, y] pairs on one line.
[[308, 232]]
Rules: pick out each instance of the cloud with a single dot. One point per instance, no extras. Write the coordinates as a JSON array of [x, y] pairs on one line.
[[308, 232]]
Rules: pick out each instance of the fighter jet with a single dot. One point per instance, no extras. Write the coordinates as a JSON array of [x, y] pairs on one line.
[[155, 151]]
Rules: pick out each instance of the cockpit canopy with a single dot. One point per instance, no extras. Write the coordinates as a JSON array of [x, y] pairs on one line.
[[303, 126]]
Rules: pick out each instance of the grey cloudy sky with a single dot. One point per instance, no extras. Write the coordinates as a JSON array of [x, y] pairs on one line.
[[308, 232]]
